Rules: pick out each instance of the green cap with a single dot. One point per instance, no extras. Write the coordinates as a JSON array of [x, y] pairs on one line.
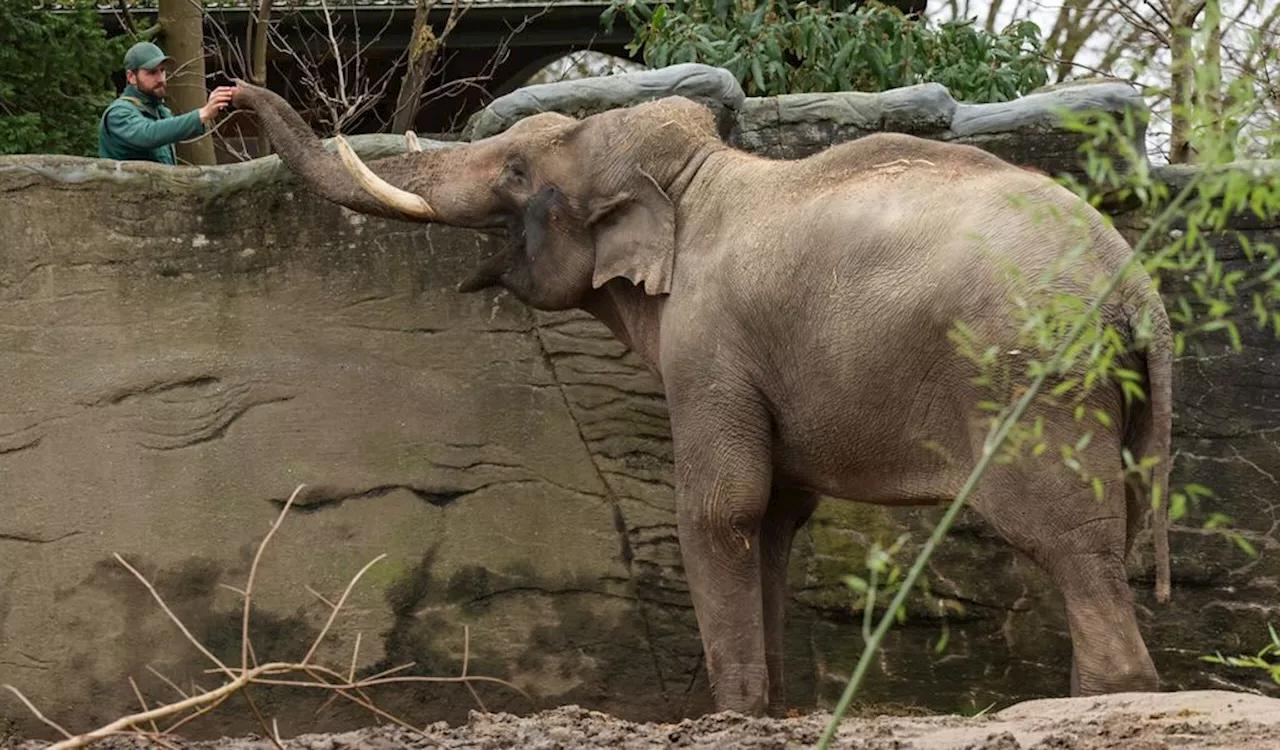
[[144, 55]]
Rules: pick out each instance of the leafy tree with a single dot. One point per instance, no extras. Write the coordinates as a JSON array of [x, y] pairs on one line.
[[778, 48], [55, 78], [1159, 44]]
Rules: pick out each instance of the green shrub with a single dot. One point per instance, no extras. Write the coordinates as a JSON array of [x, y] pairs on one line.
[[55, 78], [779, 48]]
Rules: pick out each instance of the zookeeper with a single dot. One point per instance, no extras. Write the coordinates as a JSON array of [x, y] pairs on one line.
[[137, 126]]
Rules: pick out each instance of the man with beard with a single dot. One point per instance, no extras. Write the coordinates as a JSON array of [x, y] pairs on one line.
[[137, 125]]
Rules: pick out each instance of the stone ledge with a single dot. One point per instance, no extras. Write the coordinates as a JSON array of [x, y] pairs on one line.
[[924, 108], [1178, 175], [714, 87], [18, 171], [795, 125]]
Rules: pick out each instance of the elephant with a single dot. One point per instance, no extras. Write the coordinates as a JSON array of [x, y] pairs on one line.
[[797, 313]]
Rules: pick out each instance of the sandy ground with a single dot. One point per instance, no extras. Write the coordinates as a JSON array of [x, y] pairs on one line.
[[1136, 721]]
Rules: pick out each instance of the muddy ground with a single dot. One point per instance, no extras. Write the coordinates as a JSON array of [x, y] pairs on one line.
[[1163, 721]]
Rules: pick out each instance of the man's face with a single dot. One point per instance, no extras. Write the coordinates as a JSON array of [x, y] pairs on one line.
[[151, 82]]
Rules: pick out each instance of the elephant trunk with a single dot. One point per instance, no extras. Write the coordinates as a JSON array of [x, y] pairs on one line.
[[448, 185], [370, 189], [494, 271]]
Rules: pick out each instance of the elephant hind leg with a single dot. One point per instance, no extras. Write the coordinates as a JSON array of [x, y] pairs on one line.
[[1108, 653], [788, 511], [1081, 542]]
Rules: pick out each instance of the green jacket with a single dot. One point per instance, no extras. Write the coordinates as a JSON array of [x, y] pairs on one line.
[[137, 127]]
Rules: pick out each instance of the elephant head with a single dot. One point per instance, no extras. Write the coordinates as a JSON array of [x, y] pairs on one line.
[[582, 201]]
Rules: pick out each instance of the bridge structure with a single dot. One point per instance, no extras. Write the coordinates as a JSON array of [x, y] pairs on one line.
[[494, 47]]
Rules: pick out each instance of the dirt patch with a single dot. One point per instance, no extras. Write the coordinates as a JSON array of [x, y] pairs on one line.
[[1197, 720]]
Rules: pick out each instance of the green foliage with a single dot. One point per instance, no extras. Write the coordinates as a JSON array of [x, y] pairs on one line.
[[1206, 298], [55, 70], [780, 48], [1267, 659], [886, 579]]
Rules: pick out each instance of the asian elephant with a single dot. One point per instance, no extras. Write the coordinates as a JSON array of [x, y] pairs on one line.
[[797, 313]]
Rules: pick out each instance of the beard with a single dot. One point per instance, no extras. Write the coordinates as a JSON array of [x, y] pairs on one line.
[[157, 90]]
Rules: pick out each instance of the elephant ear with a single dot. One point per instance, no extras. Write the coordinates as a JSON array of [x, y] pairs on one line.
[[634, 232]]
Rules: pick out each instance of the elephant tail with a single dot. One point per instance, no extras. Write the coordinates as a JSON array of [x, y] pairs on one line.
[[1148, 434]]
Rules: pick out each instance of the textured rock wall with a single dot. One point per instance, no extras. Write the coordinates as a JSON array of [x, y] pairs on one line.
[[183, 347]]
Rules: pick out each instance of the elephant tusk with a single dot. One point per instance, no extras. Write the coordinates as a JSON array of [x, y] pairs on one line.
[[411, 141], [401, 200]]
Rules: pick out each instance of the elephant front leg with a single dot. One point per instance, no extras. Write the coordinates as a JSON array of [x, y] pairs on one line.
[[722, 493]]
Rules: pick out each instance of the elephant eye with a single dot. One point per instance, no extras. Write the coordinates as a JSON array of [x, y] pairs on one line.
[[516, 173]]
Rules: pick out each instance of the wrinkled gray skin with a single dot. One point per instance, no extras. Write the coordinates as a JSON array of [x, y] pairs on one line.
[[797, 314]]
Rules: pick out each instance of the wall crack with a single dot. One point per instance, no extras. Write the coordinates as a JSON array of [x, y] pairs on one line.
[[620, 522]]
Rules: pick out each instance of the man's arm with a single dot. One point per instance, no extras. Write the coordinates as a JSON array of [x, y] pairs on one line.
[[128, 124]]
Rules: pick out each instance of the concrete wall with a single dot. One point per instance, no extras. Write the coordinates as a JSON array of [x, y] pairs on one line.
[[183, 347]]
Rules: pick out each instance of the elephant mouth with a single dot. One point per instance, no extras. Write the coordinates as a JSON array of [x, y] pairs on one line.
[[490, 272]]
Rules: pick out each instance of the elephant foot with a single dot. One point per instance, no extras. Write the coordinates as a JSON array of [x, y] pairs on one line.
[[1108, 654], [777, 700], [1138, 675], [743, 689]]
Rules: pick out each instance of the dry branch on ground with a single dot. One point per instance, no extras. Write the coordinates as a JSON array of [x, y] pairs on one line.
[[307, 673]]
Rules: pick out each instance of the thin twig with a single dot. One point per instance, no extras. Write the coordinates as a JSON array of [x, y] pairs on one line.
[[466, 660], [319, 595], [253, 572], [253, 656], [351, 672], [195, 715], [157, 739], [168, 682], [384, 681], [262, 722], [383, 673], [355, 654], [370, 705], [341, 601], [156, 595], [142, 701], [31, 707]]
